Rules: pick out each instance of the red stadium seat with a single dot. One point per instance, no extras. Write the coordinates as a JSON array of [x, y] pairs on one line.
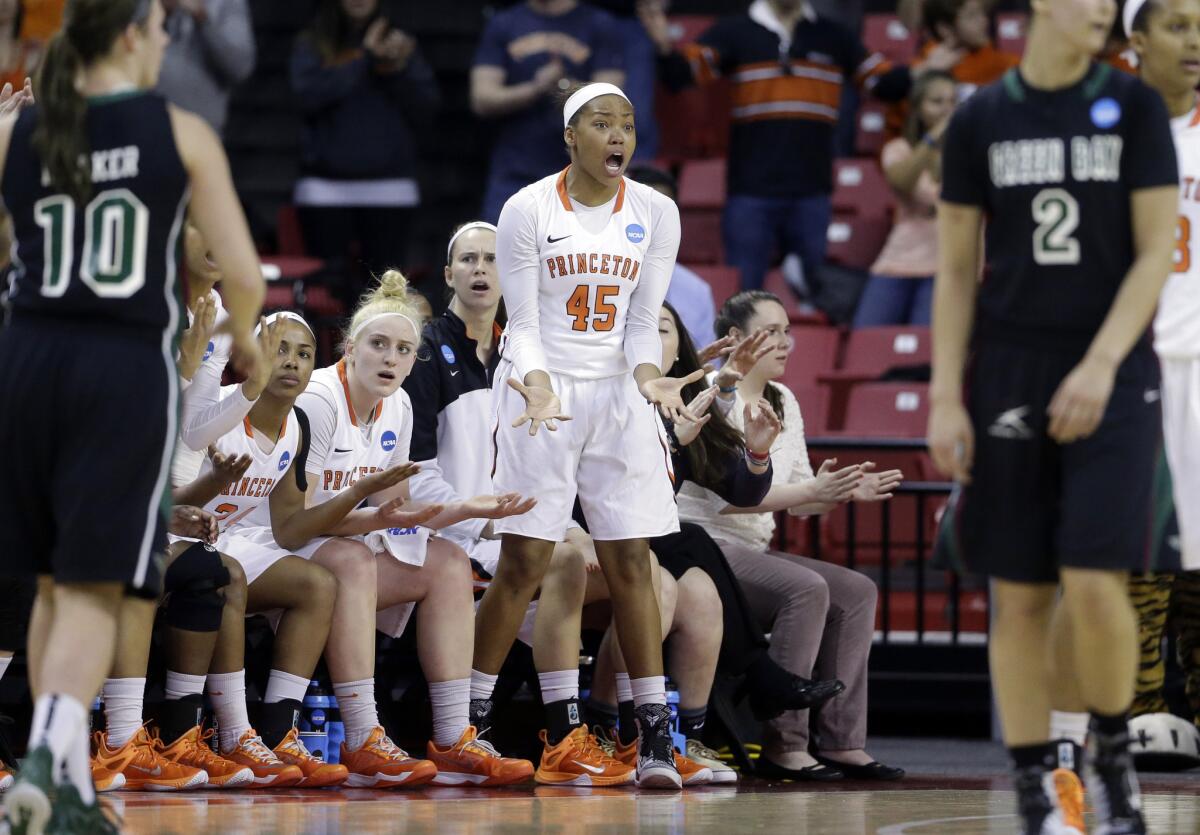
[[856, 241], [724, 281], [1011, 31], [702, 184], [884, 33], [289, 237], [870, 352], [871, 133], [701, 236], [897, 410], [814, 407], [859, 188], [798, 314], [813, 356]]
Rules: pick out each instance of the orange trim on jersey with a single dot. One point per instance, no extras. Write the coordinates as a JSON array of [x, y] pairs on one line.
[[250, 428], [341, 371], [561, 187], [704, 60]]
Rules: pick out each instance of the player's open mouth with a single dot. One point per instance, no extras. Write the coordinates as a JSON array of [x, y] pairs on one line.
[[387, 375], [1191, 64], [480, 287], [613, 163]]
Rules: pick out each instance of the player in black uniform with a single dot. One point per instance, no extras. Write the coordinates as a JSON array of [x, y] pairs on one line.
[[1072, 165], [97, 176]]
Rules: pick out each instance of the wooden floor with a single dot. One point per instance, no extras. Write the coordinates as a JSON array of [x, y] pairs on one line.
[[921, 806]]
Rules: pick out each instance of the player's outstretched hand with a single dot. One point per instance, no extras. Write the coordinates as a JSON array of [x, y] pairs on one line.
[[760, 427], [541, 407], [499, 506], [836, 486], [951, 440], [268, 338], [744, 356], [1078, 406], [228, 468], [194, 523], [193, 344], [686, 430], [876, 487], [667, 394], [382, 480], [391, 514]]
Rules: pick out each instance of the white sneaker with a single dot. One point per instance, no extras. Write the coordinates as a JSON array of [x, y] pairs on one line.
[[656, 753], [698, 752]]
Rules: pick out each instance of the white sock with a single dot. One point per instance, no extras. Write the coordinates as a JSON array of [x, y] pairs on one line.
[[283, 685], [60, 723], [482, 685], [227, 692], [183, 684], [356, 702], [651, 690], [5, 660], [450, 701], [1072, 726], [123, 708], [559, 685], [624, 691]]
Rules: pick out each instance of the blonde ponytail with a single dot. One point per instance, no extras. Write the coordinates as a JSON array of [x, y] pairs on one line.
[[390, 295]]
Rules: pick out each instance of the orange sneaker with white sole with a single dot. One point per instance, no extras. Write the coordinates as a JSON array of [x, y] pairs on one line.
[[192, 749], [578, 760], [691, 772], [381, 764], [141, 761], [106, 779], [318, 774], [269, 770], [474, 762]]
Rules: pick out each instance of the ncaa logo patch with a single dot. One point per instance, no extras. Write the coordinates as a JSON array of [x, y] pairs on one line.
[[447, 354], [208, 352], [1106, 112], [284, 460], [635, 233], [388, 441]]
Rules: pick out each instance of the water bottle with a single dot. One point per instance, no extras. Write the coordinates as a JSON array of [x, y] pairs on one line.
[[677, 739], [314, 721], [335, 730]]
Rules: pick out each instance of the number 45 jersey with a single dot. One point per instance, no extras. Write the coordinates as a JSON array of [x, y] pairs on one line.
[[112, 258], [1053, 172]]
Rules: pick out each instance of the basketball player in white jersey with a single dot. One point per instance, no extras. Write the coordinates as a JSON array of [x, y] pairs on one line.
[[585, 257], [361, 423]]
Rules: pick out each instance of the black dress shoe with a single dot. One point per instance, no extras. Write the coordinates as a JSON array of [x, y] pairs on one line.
[[870, 771], [818, 773], [799, 694]]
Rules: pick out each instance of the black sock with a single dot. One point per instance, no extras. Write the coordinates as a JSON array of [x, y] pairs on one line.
[[628, 726], [176, 717], [276, 720], [602, 717], [1106, 727], [1041, 755], [691, 722], [562, 717], [480, 714], [1069, 755]]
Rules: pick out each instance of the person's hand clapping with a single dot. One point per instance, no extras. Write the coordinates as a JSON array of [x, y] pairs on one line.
[[687, 430], [667, 394]]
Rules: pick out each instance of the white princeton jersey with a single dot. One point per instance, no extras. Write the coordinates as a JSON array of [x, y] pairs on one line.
[[583, 286], [245, 503], [1177, 324], [343, 447]]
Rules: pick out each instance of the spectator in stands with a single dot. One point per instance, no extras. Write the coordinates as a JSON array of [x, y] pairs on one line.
[[966, 25], [18, 56], [787, 65], [527, 55], [688, 293], [900, 290], [364, 89], [820, 616], [211, 51]]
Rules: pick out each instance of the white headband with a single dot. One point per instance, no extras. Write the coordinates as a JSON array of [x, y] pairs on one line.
[[354, 333], [286, 314], [467, 227], [585, 94], [1132, 7]]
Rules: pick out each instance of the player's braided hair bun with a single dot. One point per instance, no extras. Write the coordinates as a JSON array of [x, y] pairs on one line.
[[390, 295]]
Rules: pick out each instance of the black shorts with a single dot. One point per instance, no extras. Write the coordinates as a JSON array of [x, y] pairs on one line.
[[1033, 505], [87, 431]]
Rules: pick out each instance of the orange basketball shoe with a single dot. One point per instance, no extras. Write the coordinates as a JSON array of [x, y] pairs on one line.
[[382, 764], [473, 761], [106, 779], [691, 772], [578, 760], [192, 749], [144, 766], [1069, 789], [268, 769], [318, 774]]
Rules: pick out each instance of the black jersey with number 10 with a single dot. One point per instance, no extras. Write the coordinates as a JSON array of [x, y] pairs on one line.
[[113, 259], [1053, 172]]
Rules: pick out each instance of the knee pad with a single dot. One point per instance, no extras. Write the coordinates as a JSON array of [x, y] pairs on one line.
[[193, 584]]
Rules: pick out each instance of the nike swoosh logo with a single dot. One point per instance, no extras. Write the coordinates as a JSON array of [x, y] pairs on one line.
[[551, 240], [595, 769], [335, 449], [453, 373], [155, 773]]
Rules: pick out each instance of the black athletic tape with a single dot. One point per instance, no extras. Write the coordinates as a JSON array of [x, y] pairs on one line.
[[193, 583]]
